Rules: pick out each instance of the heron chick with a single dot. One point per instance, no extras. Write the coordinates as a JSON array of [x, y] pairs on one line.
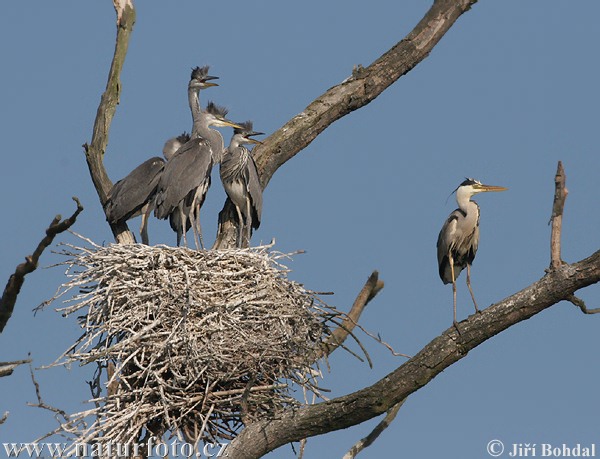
[[134, 194], [459, 237], [240, 180]]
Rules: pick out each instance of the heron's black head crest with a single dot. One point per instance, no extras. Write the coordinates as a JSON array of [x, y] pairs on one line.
[[201, 74], [468, 181], [216, 110], [246, 128], [183, 138]]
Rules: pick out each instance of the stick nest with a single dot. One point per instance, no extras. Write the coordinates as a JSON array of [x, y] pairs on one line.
[[197, 343]]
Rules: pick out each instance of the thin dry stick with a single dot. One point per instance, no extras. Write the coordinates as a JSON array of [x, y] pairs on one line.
[[369, 439], [15, 282]]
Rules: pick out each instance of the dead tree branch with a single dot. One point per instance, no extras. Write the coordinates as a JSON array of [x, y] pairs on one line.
[[367, 293], [560, 195], [559, 284], [356, 91], [379, 428], [94, 152], [15, 282]]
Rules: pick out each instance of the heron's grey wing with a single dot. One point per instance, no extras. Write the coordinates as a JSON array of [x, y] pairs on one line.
[[184, 172], [255, 190], [444, 244], [130, 194]]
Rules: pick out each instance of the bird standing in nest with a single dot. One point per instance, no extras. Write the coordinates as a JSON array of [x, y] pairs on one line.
[[240, 180]]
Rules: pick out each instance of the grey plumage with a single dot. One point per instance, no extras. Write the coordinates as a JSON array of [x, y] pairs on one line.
[[134, 194], [171, 203], [458, 240], [174, 144], [241, 182], [127, 197]]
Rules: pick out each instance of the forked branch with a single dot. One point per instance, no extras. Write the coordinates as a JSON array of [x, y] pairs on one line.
[[356, 91], [94, 152]]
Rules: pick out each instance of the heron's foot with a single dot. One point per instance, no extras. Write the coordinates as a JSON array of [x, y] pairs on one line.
[[455, 323]]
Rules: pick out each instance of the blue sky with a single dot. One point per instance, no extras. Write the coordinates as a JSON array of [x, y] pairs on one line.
[[511, 89]]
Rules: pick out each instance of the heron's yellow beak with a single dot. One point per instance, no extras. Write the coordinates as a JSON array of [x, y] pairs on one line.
[[258, 142], [206, 84], [485, 188], [230, 124]]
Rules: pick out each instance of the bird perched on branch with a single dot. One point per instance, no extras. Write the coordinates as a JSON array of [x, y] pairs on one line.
[[185, 180], [241, 182], [459, 238], [134, 194]]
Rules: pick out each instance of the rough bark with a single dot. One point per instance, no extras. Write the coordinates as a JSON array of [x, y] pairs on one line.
[[559, 284], [363, 86]]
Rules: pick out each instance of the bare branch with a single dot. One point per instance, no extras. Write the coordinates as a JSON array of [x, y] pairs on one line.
[[15, 282], [369, 439], [560, 195], [356, 91], [4, 418], [368, 292], [264, 436], [94, 152], [581, 305], [41, 404]]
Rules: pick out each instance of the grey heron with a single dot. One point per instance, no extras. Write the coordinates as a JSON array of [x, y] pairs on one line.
[[186, 177], [459, 238], [241, 182], [199, 79], [134, 194]]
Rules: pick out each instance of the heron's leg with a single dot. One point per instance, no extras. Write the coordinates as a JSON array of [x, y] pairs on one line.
[[144, 227], [239, 242], [199, 227], [183, 219], [469, 285], [249, 220], [451, 261]]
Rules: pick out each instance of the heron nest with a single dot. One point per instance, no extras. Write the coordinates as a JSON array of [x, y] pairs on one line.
[[196, 343]]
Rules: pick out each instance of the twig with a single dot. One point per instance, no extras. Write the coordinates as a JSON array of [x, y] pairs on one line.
[[4, 418], [581, 305], [42, 404], [560, 194], [368, 292], [369, 439], [15, 282]]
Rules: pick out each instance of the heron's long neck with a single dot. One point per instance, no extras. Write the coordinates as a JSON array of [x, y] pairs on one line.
[[194, 101], [465, 204], [215, 139]]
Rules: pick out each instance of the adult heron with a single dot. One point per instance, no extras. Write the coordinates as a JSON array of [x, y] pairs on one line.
[[240, 180], [186, 177], [459, 238], [134, 194]]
